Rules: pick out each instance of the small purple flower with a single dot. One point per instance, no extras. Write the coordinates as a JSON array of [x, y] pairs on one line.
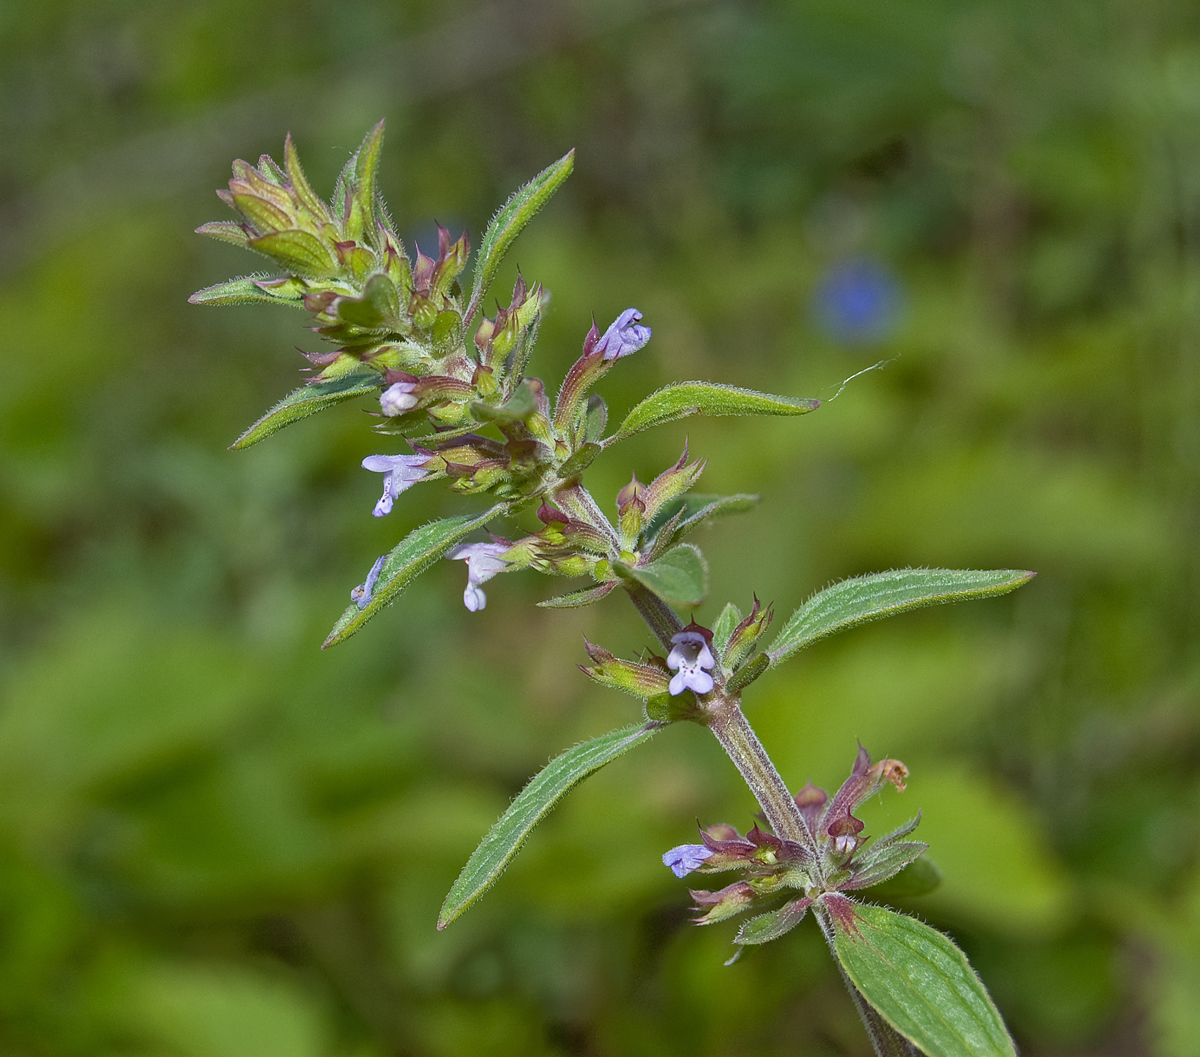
[[362, 593], [397, 398], [686, 858], [400, 472], [625, 336], [483, 562], [689, 657]]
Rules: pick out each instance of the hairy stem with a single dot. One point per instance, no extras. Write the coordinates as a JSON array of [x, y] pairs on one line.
[[660, 617], [885, 1040], [731, 728]]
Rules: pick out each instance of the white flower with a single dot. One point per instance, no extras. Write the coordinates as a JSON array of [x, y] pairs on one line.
[[689, 656], [400, 472], [397, 398], [483, 562]]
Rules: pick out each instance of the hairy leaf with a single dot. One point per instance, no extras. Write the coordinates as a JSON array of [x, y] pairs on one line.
[[724, 627], [882, 862], [918, 878], [577, 599], [679, 577], [532, 804], [506, 225], [706, 398], [918, 981], [865, 598], [246, 292], [308, 400], [408, 559], [770, 926], [298, 251]]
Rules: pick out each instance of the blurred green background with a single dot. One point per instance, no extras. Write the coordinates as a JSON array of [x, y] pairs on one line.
[[218, 841]]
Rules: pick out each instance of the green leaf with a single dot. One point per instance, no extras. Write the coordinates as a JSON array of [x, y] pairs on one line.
[[747, 673], [877, 865], [918, 878], [580, 461], [408, 559], [918, 981], [723, 629], [770, 926], [225, 231], [516, 408], [298, 251], [506, 225], [379, 304], [308, 400], [679, 577], [532, 804], [577, 599], [694, 510], [706, 398], [865, 598], [246, 292]]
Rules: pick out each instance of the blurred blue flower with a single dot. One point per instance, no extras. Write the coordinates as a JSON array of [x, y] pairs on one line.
[[858, 301]]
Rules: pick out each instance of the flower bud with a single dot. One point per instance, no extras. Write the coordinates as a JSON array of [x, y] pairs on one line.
[[398, 398]]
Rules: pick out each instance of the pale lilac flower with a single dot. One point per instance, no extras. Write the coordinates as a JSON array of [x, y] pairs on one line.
[[362, 593], [686, 858], [690, 655], [400, 472], [483, 562], [397, 398], [625, 336]]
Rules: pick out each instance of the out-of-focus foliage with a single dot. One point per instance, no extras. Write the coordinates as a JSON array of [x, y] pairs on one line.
[[217, 841]]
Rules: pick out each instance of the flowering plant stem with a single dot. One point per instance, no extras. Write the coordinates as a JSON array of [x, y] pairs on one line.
[[885, 1040], [728, 723], [454, 386], [725, 718]]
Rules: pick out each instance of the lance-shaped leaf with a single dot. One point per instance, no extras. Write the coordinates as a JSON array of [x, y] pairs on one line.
[[408, 559], [729, 619], [506, 225], [533, 803], [679, 577], [578, 599], [918, 981], [298, 251], [691, 511], [866, 598], [706, 398], [747, 673], [918, 878], [770, 926], [880, 863], [246, 291], [308, 400]]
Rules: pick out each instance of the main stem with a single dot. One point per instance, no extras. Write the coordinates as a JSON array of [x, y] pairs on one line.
[[885, 1040], [729, 725], [725, 718]]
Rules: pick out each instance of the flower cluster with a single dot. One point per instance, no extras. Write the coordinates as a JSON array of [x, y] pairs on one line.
[[832, 857]]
